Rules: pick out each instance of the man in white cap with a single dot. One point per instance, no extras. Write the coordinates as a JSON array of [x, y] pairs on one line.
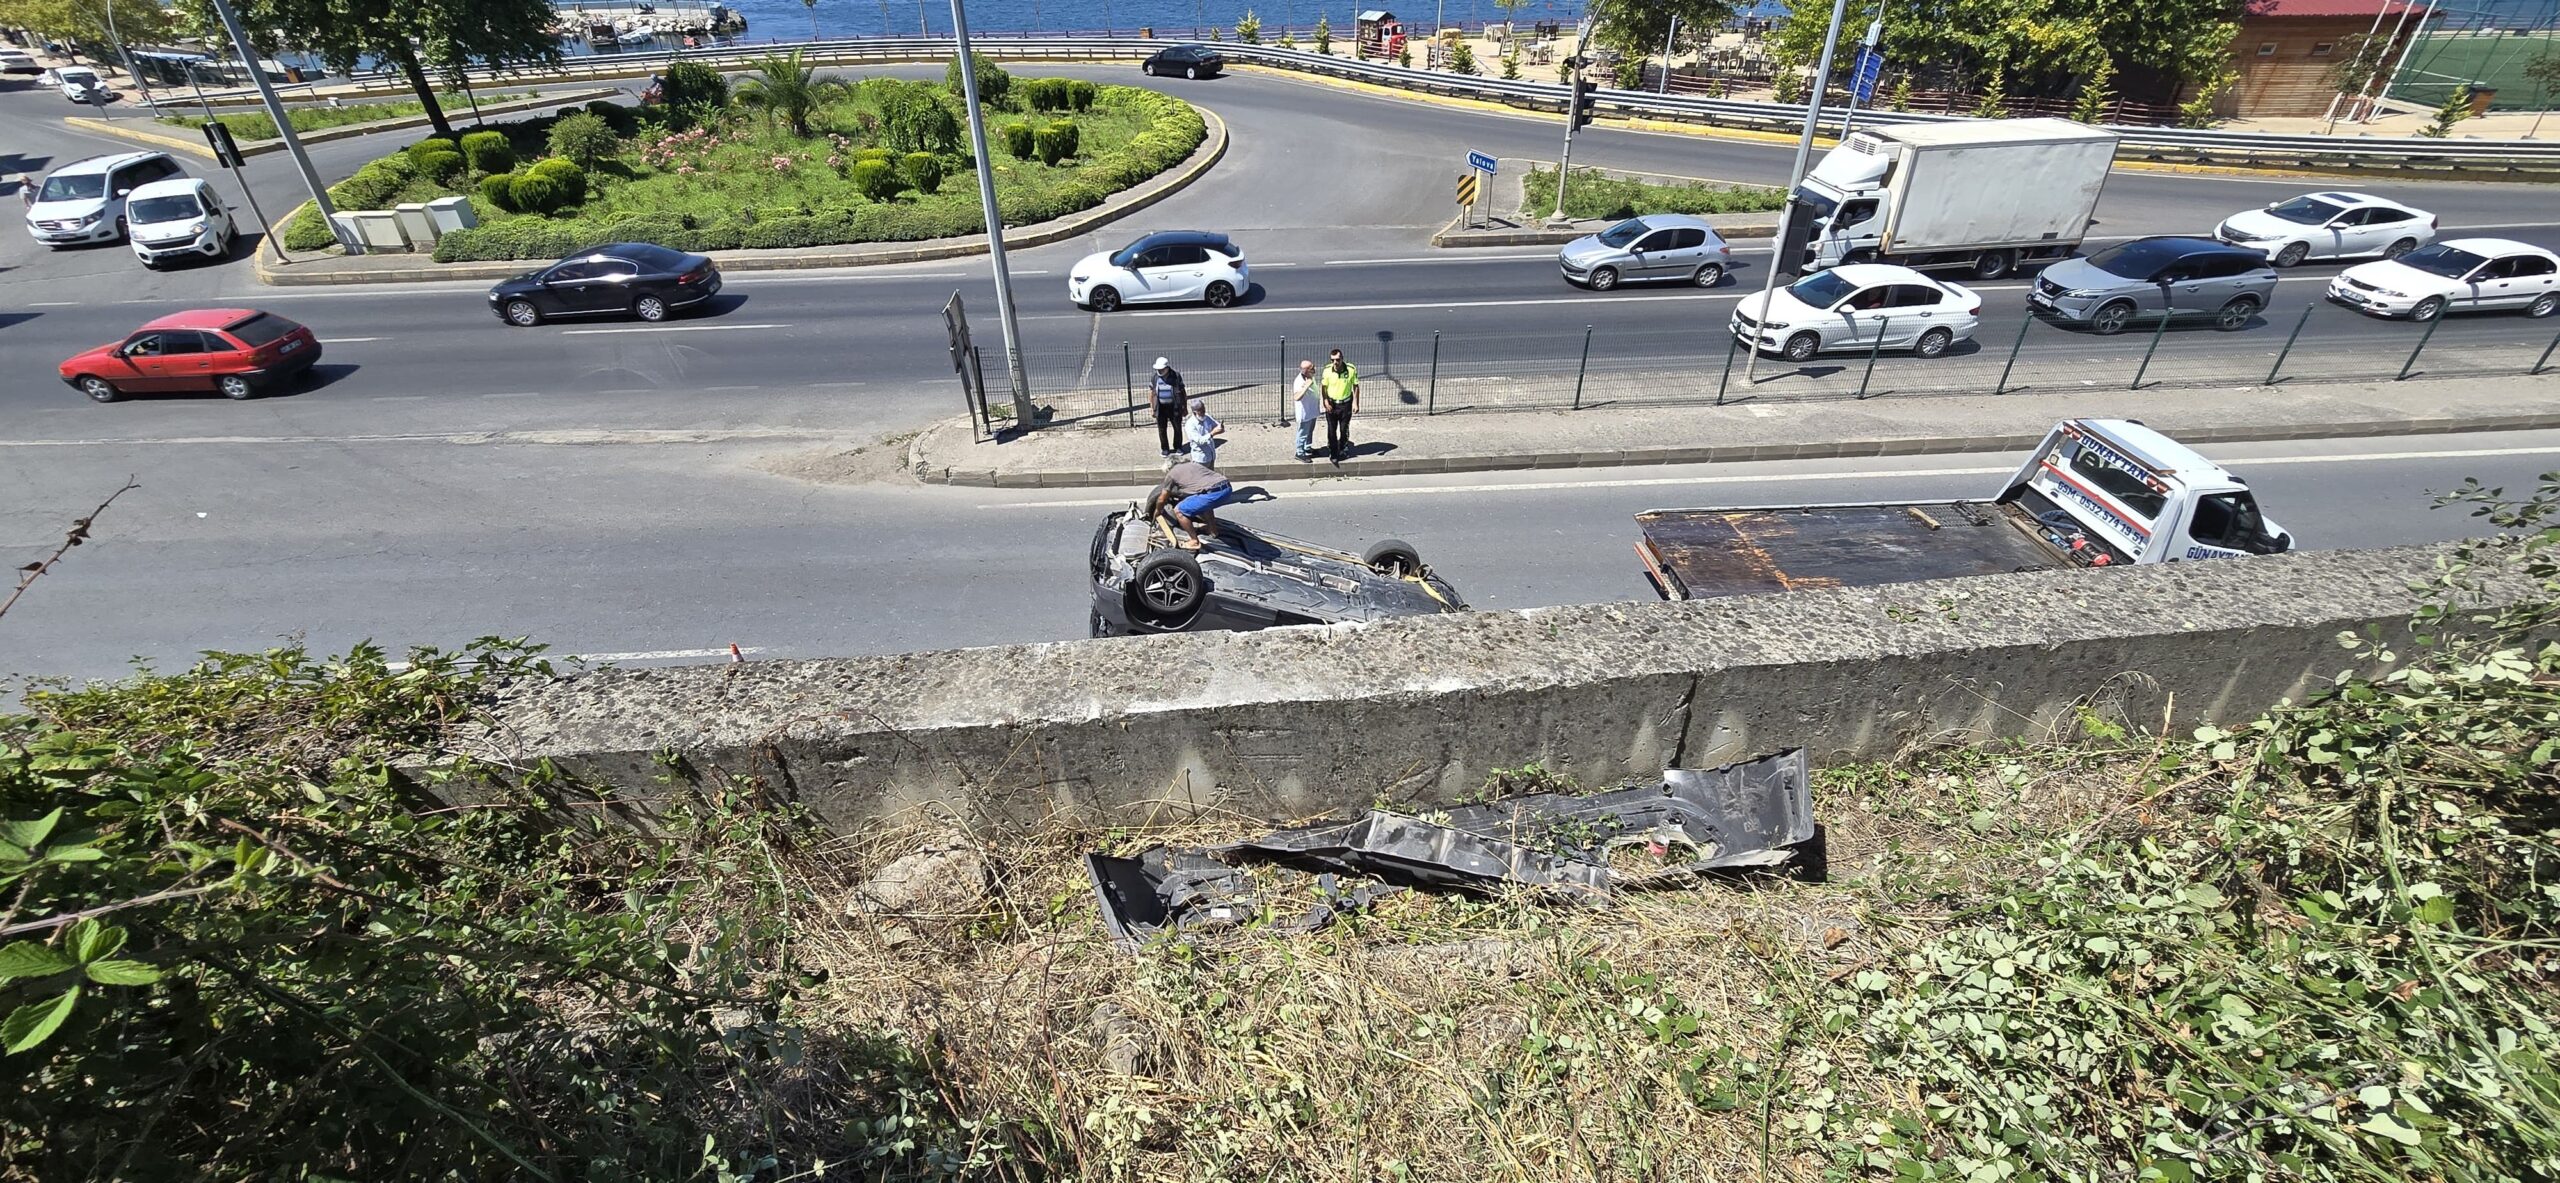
[[1172, 400]]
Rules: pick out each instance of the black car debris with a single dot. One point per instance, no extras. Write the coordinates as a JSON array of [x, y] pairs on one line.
[[1190, 61], [1246, 579], [1754, 816], [638, 279]]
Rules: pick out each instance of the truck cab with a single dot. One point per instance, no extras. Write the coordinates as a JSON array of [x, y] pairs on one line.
[[2110, 491]]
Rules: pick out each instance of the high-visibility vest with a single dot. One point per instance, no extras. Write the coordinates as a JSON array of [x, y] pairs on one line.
[[1337, 387]]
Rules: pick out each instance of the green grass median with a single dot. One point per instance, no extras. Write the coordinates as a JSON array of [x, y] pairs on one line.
[[1594, 194]]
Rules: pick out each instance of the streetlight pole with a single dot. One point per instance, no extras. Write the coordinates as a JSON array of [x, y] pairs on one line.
[[129, 66], [1572, 114], [1662, 85], [1022, 409], [1804, 153], [1875, 33], [284, 130]]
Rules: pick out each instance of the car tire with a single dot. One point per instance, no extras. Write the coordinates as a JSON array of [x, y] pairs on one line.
[[99, 390], [522, 314], [1604, 278], [1191, 72], [236, 387], [1994, 264], [2402, 247], [649, 308], [1802, 347], [1220, 295], [2235, 315], [2292, 255], [2112, 318], [1933, 343], [2427, 310], [1103, 299], [1709, 275], [1392, 556], [2545, 306], [1167, 590]]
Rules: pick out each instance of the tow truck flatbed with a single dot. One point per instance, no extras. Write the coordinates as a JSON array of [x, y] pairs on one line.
[[1707, 553]]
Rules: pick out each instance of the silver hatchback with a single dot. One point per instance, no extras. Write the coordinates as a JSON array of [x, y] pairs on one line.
[[2151, 278], [1655, 248]]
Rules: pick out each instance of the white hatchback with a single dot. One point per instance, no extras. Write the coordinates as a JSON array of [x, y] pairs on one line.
[[2334, 225], [1859, 306], [1166, 267], [2456, 275], [176, 219]]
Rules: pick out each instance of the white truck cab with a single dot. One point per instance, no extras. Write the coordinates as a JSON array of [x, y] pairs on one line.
[[2127, 494]]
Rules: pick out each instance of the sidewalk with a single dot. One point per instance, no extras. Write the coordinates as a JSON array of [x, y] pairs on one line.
[[1088, 444]]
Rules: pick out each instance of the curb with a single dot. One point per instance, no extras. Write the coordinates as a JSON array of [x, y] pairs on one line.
[[197, 147], [1707, 454], [1147, 193]]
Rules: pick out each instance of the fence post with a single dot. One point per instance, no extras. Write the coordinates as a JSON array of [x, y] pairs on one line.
[[1732, 343], [1585, 370], [1882, 327], [2422, 345], [1285, 375], [1128, 384], [2546, 354], [2145, 367], [1431, 402], [2287, 351], [2003, 386]]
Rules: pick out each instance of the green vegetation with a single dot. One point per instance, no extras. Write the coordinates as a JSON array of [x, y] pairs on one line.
[[413, 40], [1597, 195], [2455, 108], [2499, 60], [2043, 49], [250, 126]]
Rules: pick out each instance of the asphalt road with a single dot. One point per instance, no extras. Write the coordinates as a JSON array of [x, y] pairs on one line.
[[676, 552]]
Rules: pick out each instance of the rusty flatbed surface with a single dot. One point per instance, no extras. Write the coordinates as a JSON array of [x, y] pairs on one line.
[[1699, 554]]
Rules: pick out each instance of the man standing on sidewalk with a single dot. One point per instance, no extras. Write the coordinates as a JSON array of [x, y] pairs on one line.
[[1171, 401], [1310, 399], [1341, 383]]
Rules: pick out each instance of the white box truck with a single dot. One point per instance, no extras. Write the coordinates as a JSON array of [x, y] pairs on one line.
[[1982, 194]]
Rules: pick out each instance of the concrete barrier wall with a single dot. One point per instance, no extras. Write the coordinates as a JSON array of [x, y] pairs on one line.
[[1304, 721]]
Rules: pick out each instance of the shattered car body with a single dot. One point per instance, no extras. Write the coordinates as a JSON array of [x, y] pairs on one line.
[[1756, 814], [1245, 579]]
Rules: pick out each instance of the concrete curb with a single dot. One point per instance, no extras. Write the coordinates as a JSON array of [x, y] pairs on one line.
[[922, 466], [196, 147], [1119, 205]]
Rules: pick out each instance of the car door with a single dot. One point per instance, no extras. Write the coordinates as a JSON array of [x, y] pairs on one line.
[[1149, 272], [2486, 286], [576, 287], [1188, 273], [610, 288], [2511, 282], [2531, 275], [1911, 311], [186, 360], [2384, 225], [1859, 318], [136, 364], [2185, 287], [1646, 256]]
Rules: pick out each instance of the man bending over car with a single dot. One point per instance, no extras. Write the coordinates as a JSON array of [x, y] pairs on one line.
[[1190, 491]]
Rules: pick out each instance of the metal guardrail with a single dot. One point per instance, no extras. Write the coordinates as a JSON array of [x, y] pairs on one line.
[[2141, 143]]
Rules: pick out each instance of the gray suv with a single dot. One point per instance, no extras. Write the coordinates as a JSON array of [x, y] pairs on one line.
[[2149, 278], [1656, 248]]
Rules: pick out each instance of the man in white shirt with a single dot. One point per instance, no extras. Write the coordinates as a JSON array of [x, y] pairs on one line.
[[1310, 407]]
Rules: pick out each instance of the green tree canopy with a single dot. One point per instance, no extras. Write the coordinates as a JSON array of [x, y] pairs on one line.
[[136, 21], [784, 89], [2043, 48], [447, 36], [1636, 28]]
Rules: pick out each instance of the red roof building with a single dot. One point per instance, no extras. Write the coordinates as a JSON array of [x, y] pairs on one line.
[[2287, 51]]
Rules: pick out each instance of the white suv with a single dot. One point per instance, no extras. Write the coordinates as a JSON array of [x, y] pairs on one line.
[[176, 218], [83, 201]]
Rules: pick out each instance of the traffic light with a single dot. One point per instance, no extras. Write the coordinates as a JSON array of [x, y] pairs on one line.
[[1579, 112]]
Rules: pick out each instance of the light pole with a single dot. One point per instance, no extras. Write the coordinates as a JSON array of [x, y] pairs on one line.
[[1022, 409], [129, 66], [1804, 152], [1857, 73], [284, 129], [1572, 114], [1662, 85]]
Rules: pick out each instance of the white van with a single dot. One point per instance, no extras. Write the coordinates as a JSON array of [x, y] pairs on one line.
[[75, 82], [83, 201], [177, 218]]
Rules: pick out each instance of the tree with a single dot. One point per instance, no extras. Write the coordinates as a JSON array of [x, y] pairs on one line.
[[2455, 108], [2365, 60], [2046, 47], [1249, 30], [448, 36], [1511, 62], [584, 139], [2096, 95], [136, 22], [1638, 28], [1324, 34], [1994, 102], [2544, 73], [913, 117], [1462, 58], [784, 89], [993, 83]]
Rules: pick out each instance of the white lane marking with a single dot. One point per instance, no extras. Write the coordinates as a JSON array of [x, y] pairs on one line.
[[346, 340], [514, 394], [1548, 300], [1765, 478], [708, 388], [398, 398], [56, 304], [670, 329], [1455, 258]]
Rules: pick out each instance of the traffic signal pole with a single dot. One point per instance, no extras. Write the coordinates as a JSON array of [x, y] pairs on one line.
[[1795, 175], [1577, 95]]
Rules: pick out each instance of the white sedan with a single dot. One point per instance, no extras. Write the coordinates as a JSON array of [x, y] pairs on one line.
[[1854, 306], [2335, 225], [1168, 266], [2456, 275]]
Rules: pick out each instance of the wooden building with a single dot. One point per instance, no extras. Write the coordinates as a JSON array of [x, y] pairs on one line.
[[2286, 50]]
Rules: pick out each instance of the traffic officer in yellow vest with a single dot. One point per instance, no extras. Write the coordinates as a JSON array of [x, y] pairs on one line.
[[1341, 382]]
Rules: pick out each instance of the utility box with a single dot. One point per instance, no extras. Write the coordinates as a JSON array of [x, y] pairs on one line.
[[414, 223], [449, 214], [377, 229]]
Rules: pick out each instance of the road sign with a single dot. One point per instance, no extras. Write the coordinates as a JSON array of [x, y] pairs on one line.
[[1481, 162], [1466, 188], [218, 137], [1869, 68]]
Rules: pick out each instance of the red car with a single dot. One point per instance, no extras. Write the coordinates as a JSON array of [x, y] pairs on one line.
[[232, 350]]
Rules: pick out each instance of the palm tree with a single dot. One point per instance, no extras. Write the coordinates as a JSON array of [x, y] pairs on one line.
[[786, 89]]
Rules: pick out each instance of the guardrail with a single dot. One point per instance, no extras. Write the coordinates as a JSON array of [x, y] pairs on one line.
[[2179, 145]]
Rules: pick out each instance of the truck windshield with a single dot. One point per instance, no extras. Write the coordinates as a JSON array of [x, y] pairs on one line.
[[1623, 233], [1822, 289], [83, 187], [176, 207], [2434, 259], [2307, 211]]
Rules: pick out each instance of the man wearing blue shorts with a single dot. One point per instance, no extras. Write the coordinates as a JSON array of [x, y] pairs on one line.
[[1190, 491]]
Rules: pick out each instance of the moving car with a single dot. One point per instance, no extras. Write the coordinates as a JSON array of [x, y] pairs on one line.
[[1655, 248], [2456, 275], [1190, 61], [2329, 226], [2153, 277], [1164, 267], [235, 351], [18, 61], [638, 278], [83, 201], [178, 218], [80, 84], [1850, 307], [1245, 579]]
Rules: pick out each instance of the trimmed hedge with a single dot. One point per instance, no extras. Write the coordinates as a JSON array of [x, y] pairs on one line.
[[440, 167], [1080, 94], [488, 152], [876, 180], [922, 170], [623, 120], [1018, 141]]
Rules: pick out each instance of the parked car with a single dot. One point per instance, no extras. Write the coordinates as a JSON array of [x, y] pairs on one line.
[[1850, 307], [80, 84], [84, 201], [641, 279], [2456, 275], [19, 61], [1190, 61], [178, 218], [1167, 266], [236, 351], [2329, 226], [1655, 248], [1246, 579], [2153, 277]]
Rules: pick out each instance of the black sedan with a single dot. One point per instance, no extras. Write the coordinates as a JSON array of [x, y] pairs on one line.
[[639, 278], [1190, 61]]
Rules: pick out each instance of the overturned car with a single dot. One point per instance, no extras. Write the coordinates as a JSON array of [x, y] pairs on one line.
[[1245, 579]]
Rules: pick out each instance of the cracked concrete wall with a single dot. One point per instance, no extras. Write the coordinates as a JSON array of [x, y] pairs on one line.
[[1306, 721]]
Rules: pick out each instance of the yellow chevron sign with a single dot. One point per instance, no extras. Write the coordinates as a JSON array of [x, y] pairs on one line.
[[1467, 189]]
